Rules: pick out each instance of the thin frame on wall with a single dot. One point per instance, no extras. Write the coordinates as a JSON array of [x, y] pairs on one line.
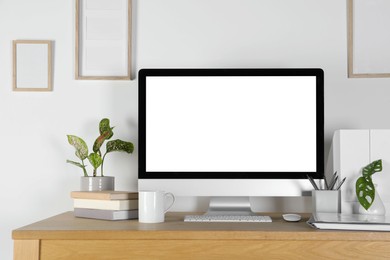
[[368, 42], [32, 65], [103, 40]]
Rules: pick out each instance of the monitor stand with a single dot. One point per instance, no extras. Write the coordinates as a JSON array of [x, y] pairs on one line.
[[230, 206]]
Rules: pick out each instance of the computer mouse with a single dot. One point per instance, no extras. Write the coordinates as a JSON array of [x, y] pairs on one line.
[[291, 217]]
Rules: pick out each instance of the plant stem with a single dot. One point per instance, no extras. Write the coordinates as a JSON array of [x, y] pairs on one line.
[[84, 170], [101, 169]]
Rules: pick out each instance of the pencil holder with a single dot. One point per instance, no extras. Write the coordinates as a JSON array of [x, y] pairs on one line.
[[326, 201]]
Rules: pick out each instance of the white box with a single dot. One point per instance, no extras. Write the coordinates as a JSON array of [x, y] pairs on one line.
[[352, 150]]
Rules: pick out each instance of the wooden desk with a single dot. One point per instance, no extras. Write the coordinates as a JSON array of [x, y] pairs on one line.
[[67, 237]]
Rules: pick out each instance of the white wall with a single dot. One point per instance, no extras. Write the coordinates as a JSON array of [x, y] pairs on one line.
[[167, 33]]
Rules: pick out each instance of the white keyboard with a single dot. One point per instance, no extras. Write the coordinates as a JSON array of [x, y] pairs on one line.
[[217, 218]]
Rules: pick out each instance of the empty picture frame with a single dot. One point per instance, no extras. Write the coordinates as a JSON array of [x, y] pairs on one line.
[[32, 65], [368, 38], [103, 39]]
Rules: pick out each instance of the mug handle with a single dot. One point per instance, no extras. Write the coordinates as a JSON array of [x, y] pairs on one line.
[[169, 194]]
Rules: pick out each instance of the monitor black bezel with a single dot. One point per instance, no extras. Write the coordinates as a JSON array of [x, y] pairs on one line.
[[144, 73]]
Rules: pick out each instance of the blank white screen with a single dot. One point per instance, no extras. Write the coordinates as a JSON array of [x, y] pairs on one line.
[[229, 124]]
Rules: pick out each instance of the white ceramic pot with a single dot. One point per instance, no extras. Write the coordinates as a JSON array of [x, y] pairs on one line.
[[97, 183]]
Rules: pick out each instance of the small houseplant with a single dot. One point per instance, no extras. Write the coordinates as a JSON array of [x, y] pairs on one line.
[[366, 193], [96, 158]]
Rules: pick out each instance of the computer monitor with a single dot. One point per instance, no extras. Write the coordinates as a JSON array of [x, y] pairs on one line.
[[230, 132]]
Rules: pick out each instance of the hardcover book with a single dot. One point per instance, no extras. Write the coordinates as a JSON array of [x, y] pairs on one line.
[[106, 204], [106, 214], [104, 195]]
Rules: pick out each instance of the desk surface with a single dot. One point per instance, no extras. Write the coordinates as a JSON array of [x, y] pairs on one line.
[[66, 237], [67, 226]]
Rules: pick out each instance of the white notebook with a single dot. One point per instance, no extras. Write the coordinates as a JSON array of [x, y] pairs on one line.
[[341, 221]]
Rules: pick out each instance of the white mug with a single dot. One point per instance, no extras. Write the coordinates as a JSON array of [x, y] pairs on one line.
[[152, 206]]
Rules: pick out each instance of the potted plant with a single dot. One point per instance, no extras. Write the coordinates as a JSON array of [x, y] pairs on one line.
[[366, 192], [96, 158]]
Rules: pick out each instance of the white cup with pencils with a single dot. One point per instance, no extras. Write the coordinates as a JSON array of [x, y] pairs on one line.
[[326, 198]]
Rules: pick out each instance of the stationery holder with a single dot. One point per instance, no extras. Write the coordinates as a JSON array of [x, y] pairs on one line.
[[326, 201]]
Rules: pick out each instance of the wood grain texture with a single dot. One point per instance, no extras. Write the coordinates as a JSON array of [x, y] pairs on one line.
[[26, 249], [212, 249], [66, 226], [67, 237]]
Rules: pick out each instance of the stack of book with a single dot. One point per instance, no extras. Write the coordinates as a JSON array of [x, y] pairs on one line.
[[107, 205]]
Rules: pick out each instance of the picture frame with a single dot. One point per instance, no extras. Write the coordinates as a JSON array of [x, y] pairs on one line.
[[32, 65], [368, 40], [103, 40]]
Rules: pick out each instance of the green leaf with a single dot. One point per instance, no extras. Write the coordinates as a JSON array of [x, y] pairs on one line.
[[365, 191], [375, 166], [100, 140], [75, 163], [78, 165], [80, 146], [104, 126], [119, 146], [95, 160]]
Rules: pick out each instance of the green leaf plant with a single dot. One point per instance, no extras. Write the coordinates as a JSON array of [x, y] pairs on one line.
[[365, 188], [95, 158]]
